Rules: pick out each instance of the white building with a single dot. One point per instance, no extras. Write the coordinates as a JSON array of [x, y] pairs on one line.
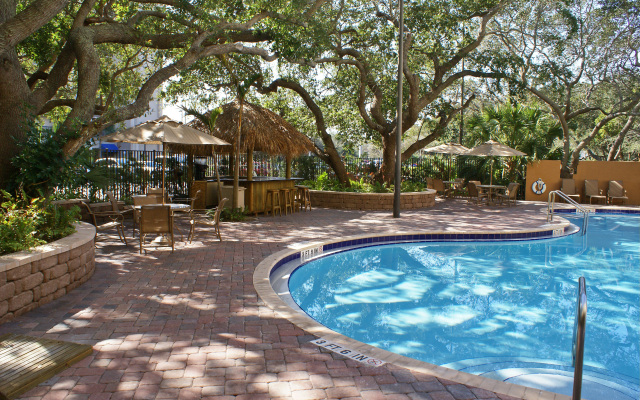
[[155, 111]]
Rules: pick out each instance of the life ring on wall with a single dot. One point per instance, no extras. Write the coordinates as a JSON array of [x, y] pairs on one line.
[[539, 186]]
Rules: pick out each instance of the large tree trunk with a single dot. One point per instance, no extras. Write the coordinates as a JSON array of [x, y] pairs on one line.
[[334, 160], [14, 113], [388, 167], [329, 154], [617, 144], [14, 110]]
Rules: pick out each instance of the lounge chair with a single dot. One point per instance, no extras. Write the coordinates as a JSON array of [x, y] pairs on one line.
[[591, 191], [616, 193], [510, 194], [475, 193], [569, 189], [156, 219]]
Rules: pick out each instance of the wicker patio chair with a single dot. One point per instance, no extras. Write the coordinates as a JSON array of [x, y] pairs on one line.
[[160, 192], [616, 193], [156, 219], [438, 186], [459, 188], [475, 193], [116, 207], [510, 194], [569, 188], [139, 201], [187, 213], [201, 216], [113, 220]]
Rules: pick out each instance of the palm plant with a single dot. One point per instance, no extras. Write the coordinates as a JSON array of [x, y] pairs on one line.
[[209, 120], [522, 128]]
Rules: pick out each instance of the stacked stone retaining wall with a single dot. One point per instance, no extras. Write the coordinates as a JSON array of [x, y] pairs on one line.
[[371, 201], [29, 279]]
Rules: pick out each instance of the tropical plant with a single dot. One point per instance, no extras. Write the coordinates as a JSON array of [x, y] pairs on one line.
[[523, 128], [323, 182], [42, 166], [28, 222]]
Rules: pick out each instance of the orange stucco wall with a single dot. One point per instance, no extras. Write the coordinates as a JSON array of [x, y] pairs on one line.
[[549, 171]]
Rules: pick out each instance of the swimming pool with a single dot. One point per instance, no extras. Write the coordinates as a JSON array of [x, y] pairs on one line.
[[468, 305]]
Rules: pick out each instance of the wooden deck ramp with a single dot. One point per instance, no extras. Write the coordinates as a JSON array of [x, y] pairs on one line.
[[27, 361]]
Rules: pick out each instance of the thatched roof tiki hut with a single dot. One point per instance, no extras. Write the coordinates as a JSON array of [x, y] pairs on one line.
[[262, 130]]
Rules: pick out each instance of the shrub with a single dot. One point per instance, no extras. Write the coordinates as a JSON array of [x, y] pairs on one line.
[[324, 183], [229, 215], [43, 167], [26, 223]]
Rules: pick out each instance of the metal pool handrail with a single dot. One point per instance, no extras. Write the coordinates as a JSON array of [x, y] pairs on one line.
[[578, 338], [583, 210]]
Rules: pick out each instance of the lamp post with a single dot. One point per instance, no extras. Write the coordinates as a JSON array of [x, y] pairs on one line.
[[398, 177]]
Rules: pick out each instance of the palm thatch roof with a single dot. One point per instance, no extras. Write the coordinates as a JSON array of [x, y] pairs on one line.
[[262, 130]]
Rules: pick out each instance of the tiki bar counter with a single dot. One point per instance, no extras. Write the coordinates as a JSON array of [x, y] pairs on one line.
[[252, 192]]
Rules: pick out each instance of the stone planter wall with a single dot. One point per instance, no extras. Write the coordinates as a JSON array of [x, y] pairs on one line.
[[371, 201], [29, 279]]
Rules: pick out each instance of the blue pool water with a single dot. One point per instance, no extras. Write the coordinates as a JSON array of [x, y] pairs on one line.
[[447, 303]]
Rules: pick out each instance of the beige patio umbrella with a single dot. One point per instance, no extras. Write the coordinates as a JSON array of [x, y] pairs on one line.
[[168, 133], [494, 149], [448, 148], [455, 149]]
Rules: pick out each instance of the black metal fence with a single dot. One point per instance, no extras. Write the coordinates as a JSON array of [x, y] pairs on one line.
[[129, 172]]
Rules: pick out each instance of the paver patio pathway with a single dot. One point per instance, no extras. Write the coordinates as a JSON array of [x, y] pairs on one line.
[[190, 325]]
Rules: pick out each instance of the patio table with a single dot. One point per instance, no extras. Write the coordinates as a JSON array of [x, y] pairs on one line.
[[491, 191], [174, 206]]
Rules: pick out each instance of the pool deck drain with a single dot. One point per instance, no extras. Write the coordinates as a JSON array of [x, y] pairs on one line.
[[190, 324]]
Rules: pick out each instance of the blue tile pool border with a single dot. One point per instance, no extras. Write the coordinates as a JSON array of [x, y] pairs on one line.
[[421, 237], [610, 211]]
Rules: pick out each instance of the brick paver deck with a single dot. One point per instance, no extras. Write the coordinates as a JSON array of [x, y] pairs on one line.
[[190, 325]]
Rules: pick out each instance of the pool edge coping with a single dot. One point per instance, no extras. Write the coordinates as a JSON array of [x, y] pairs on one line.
[[263, 286]]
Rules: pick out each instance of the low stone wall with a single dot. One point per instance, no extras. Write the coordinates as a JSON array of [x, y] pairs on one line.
[[29, 279], [371, 201]]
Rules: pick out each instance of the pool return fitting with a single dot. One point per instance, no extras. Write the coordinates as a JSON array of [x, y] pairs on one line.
[[578, 338]]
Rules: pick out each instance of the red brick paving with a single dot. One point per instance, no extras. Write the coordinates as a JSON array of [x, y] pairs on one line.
[[190, 325]]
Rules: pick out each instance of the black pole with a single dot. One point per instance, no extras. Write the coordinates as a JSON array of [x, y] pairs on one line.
[[398, 178], [462, 104]]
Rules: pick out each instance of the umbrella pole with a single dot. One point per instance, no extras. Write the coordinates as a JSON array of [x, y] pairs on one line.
[[491, 173]]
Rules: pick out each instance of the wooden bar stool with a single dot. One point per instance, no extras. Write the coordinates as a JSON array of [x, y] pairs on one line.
[[304, 197], [285, 199], [293, 194], [274, 196]]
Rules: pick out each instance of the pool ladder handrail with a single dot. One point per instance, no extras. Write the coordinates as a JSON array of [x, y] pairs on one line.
[[579, 328], [569, 200]]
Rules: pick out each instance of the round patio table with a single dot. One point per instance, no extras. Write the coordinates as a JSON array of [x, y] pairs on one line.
[[174, 206], [492, 189]]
